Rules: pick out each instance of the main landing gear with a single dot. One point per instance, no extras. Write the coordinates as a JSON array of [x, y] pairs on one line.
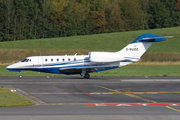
[[85, 74]]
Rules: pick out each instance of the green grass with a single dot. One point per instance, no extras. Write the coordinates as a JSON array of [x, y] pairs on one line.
[[131, 70], [99, 42], [12, 99], [144, 70], [14, 51]]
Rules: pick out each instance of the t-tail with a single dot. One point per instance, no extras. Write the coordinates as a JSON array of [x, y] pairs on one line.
[[138, 47]]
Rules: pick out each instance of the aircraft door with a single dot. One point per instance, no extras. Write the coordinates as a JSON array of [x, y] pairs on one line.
[[40, 62]]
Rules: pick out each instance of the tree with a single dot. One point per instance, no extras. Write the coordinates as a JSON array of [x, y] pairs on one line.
[[178, 9], [96, 5], [144, 4], [44, 24], [171, 12], [79, 12], [131, 13], [58, 17], [8, 11], [178, 5], [145, 17], [157, 11], [30, 19], [1, 21], [114, 16], [100, 23]]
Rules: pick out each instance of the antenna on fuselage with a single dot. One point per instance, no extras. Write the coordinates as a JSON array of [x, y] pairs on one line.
[[75, 54]]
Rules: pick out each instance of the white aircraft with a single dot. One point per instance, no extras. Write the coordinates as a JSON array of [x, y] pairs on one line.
[[85, 64]]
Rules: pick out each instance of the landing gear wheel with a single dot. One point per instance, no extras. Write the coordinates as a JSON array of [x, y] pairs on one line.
[[86, 76], [20, 76]]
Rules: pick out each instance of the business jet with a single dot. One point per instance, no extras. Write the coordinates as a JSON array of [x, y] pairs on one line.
[[85, 64]]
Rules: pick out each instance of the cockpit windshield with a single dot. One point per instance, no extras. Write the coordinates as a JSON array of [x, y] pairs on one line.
[[26, 60]]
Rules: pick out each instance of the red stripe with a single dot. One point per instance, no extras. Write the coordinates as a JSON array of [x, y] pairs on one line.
[[150, 104], [125, 93]]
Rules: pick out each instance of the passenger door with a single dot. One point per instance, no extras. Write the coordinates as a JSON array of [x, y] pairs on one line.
[[40, 62]]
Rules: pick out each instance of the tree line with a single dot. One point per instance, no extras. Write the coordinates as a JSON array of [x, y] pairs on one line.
[[34, 19]]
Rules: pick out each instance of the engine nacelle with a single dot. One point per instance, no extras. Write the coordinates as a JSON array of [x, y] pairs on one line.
[[105, 57]]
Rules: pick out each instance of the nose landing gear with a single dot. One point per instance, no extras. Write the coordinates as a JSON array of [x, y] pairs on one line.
[[20, 75]]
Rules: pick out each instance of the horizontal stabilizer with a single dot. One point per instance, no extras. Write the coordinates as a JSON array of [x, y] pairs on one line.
[[149, 38]]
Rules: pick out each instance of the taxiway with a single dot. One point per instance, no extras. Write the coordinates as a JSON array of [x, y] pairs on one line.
[[74, 98]]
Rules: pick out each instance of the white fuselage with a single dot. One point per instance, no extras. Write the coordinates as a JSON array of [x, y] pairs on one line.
[[61, 64]]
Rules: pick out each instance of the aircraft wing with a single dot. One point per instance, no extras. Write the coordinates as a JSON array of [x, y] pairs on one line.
[[89, 68]]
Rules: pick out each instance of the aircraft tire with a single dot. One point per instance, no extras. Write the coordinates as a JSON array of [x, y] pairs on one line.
[[86, 76], [20, 76]]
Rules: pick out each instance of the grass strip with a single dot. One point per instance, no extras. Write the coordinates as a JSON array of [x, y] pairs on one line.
[[12, 99], [98, 42], [131, 70], [144, 70], [14, 51]]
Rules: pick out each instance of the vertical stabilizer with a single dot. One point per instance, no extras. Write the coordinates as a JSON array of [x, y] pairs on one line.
[[139, 46]]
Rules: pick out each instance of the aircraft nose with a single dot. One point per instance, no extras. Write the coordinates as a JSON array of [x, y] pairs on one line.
[[13, 68], [8, 67]]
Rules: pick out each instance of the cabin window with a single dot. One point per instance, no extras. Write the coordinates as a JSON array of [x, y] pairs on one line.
[[46, 60], [63, 59], [74, 59], [51, 60], [69, 59], [29, 60], [57, 59]]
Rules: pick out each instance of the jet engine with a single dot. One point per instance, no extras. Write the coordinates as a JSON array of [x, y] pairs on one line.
[[105, 57]]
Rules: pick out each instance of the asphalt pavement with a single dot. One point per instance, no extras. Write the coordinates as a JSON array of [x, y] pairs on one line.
[[108, 98]]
